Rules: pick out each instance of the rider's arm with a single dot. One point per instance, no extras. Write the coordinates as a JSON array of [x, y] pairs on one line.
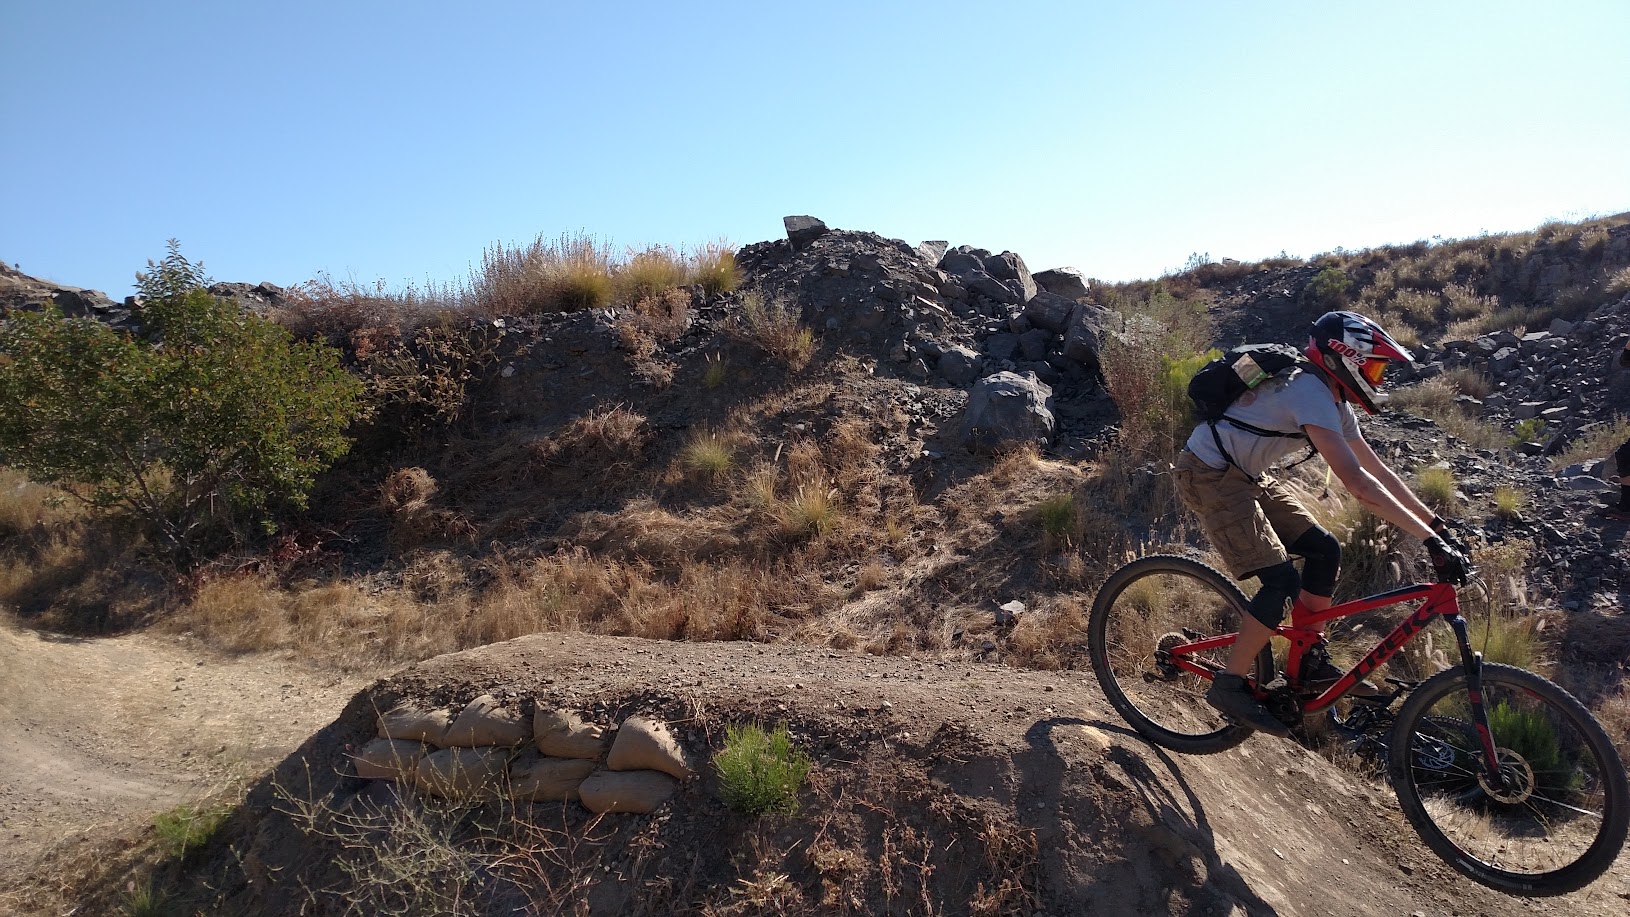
[[1368, 481], [1390, 480]]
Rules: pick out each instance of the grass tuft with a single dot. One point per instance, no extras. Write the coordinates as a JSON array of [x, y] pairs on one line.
[[713, 266], [1435, 485], [708, 454], [760, 772], [188, 827], [1509, 501], [1057, 515]]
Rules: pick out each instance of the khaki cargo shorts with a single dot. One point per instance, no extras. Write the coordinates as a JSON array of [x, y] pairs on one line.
[[1248, 523]]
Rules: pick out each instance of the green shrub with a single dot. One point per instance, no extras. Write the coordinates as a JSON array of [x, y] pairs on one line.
[[1507, 637], [716, 372], [760, 772], [1529, 733], [1329, 286], [1527, 430], [213, 414], [146, 900]]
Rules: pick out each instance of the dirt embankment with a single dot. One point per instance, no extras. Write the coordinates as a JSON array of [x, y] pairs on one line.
[[940, 751]]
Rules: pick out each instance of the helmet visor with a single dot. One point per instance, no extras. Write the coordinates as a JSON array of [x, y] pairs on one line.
[[1373, 370]]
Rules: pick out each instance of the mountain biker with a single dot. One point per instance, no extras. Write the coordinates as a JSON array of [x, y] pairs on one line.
[[1255, 522], [1621, 511]]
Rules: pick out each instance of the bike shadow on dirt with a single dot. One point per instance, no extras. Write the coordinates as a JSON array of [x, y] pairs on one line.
[[1179, 832]]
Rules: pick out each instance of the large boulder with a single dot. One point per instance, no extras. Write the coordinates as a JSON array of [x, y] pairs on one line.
[[802, 230], [981, 282], [962, 259], [1050, 311], [1007, 408], [1085, 334], [959, 365], [1063, 281], [1010, 267]]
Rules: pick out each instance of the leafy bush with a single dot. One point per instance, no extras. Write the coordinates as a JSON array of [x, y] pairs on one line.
[[1329, 286], [1527, 430], [760, 772], [213, 412]]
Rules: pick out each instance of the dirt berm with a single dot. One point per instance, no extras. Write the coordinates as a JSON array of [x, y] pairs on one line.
[[937, 788]]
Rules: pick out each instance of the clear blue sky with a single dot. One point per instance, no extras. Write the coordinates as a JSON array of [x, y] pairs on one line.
[[396, 140]]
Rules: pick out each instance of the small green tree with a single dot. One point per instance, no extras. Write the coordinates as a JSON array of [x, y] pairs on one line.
[[211, 414]]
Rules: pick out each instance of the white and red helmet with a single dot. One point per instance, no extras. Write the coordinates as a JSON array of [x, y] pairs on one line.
[[1354, 352]]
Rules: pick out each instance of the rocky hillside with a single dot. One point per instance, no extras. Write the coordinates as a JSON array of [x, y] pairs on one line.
[[923, 490]]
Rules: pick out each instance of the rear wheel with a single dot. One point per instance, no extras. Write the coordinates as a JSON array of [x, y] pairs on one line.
[[1557, 817], [1141, 612]]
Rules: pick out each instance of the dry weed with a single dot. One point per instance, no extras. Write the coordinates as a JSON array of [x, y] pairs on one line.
[[650, 274], [774, 326], [713, 266]]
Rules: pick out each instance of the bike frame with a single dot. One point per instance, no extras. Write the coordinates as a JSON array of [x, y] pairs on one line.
[[1437, 600]]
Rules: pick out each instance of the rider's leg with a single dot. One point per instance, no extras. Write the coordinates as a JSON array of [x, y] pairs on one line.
[[1322, 553], [1280, 584]]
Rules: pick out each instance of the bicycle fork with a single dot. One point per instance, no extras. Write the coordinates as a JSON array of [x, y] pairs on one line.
[[1472, 662]]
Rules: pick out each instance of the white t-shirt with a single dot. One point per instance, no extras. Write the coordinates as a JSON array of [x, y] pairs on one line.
[[1284, 404]]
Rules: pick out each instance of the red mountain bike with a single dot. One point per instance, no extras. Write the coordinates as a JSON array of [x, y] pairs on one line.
[[1503, 774]]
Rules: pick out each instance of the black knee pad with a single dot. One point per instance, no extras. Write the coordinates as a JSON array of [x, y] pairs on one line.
[[1323, 554], [1280, 586]]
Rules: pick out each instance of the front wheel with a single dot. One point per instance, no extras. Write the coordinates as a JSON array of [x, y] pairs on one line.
[[1142, 611], [1557, 817]]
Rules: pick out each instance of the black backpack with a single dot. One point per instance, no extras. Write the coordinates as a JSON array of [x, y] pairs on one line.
[[1219, 384]]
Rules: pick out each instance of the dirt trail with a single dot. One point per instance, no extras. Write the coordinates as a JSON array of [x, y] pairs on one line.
[[102, 731]]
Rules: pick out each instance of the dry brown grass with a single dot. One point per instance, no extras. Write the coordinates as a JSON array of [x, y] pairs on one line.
[[322, 308], [569, 273], [27, 507], [649, 274], [774, 326], [1597, 442], [1435, 399]]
